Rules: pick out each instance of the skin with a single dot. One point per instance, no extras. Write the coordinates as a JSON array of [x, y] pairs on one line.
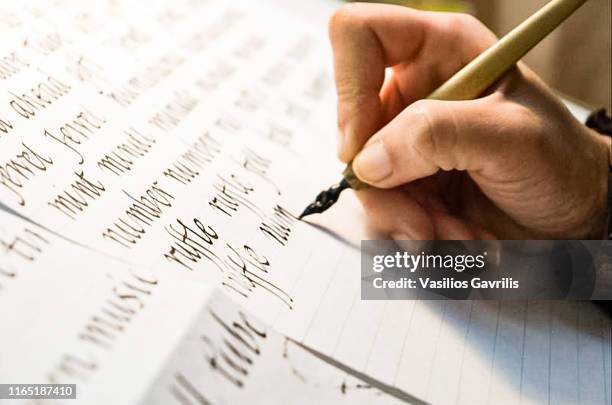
[[513, 164]]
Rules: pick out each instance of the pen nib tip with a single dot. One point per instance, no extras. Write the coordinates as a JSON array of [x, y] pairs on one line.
[[325, 199]]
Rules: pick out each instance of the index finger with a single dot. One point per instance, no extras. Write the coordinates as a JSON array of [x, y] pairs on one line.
[[367, 38]]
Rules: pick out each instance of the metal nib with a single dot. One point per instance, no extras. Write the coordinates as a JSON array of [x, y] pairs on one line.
[[325, 199]]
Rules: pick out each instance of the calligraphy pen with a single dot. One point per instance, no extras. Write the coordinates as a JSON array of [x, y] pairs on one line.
[[473, 79]]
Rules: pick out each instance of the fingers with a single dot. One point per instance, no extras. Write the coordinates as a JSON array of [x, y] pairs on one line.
[[394, 213], [449, 135], [367, 38], [402, 217]]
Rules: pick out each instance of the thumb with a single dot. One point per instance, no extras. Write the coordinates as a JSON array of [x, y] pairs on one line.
[[430, 135]]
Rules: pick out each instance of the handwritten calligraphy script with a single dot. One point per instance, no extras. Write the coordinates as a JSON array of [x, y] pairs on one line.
[[153, 158], [158, 151]]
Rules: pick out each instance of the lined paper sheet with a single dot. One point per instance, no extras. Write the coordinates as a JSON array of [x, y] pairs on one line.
[[182, 139], [480, 352]]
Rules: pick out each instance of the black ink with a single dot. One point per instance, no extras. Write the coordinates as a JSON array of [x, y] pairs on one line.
[[5, 126], [325, 199], [128, 229], [145, 80], [175, 111], [231, 194], [84, 69], [83, 191], [186, 385], [27, 247], [240, 270], [124, 155], [199, 154], [278, 226], [247, 279], [11, 64], [73, 133], [20, 169], [189, 245], [73, 367], [128, 297], [254, 163], [29, 103], [234, 355]]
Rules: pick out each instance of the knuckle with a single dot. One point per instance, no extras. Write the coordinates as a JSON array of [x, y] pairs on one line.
[[521, 114], [474, 35], [425, 115], [469, 21], [346, 16], [424, 108], [528, 128], [532, 128], [438, 133], [459, 22], [393, 147]]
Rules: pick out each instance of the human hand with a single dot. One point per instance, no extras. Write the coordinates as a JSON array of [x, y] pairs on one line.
[[514, 164]]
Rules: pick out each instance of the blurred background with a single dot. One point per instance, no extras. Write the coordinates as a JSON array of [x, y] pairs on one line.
[[576, 59]]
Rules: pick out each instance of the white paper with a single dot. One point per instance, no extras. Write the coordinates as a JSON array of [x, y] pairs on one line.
[[72, 316], [181, 139], [231, 357]]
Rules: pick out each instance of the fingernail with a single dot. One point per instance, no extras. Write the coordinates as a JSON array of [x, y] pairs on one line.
[[373, 164]]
